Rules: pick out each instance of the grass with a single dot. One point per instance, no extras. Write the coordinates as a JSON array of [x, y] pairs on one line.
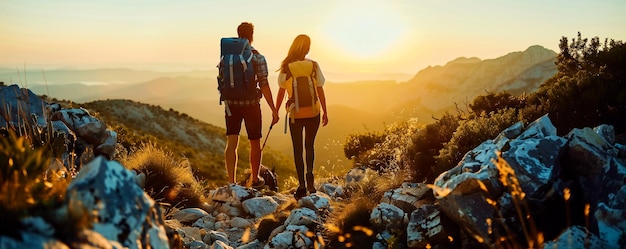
[[30, 187], [168, 179]]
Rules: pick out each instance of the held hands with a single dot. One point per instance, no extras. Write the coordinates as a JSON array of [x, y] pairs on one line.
[[275, 117]]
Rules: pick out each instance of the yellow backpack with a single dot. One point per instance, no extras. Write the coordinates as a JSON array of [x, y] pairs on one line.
[[302, 89]]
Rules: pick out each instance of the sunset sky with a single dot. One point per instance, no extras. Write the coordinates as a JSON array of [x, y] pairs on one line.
[[350, 36]]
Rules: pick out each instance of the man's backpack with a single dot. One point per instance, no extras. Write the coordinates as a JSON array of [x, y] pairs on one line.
[[236, 79], [304, 84]]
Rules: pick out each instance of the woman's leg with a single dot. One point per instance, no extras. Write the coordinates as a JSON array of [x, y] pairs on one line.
[[310, 130], [295, 129]]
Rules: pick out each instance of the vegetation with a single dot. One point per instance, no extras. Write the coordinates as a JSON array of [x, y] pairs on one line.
[[201, 144], [168, 180], [588, 90], [30, 186]]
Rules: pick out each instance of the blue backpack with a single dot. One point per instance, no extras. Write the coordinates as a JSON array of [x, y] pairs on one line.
[[236, 79]]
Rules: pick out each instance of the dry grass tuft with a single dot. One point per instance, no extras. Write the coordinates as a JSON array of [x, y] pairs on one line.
[[168, 179], [349, 226]]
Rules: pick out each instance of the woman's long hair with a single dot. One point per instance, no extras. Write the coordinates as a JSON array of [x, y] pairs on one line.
[[298, 50]]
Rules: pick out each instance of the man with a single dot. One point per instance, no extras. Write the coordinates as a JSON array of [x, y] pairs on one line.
[[250, 113]]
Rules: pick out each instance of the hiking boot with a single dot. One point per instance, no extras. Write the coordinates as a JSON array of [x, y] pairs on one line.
[[310, 183], [300, 192], [258, 185]]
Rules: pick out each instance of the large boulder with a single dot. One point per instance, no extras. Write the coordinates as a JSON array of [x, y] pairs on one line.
[[120, 209]]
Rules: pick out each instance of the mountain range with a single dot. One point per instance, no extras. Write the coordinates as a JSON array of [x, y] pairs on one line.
[[354, 107]]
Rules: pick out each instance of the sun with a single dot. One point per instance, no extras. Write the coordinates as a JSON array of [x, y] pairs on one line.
[[365, 29]]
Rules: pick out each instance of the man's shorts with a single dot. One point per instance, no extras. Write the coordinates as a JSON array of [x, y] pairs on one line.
[[251, 115]]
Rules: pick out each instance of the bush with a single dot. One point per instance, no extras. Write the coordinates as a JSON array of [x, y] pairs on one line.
[[589, 89], [493, 102], [426, 144], [357, 144], [590, 86], [471, 133]]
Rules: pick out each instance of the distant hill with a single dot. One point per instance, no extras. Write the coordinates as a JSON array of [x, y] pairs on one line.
[[354, 107], [434, 90], [90, 77], [201, 143]]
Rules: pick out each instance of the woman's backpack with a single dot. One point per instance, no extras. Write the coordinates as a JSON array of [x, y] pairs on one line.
[[304, 84]]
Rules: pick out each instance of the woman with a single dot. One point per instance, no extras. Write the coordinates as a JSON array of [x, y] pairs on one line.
[[303, 81]]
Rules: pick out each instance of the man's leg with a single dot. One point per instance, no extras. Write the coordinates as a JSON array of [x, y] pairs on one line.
[[230, 156], [255, 159], [252, 119]]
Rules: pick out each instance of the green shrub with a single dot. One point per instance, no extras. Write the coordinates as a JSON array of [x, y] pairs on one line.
[[471, 133], [357, 144], [590, 86], [493, 102], [426, 144]]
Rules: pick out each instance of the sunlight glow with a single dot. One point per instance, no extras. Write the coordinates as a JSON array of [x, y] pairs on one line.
[[366, 30]]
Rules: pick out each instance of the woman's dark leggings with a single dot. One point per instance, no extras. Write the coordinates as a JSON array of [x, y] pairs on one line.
[[310, 127]]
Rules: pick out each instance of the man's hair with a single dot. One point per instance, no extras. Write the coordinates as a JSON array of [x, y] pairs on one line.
[[245, 30]]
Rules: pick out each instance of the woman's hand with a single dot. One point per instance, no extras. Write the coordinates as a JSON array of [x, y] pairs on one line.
[[324, 119], [275, 117]]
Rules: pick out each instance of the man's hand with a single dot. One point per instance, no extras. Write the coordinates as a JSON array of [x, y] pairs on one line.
[[275, 117]]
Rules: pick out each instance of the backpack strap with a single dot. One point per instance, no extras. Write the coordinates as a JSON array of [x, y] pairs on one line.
[[231, 72]]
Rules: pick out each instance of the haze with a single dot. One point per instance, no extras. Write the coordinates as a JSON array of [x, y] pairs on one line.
[[352, 40]]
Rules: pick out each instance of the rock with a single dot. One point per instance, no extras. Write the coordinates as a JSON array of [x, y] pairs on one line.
[[190, 234], [197, 245], [189, 214], [533, 160], [293, 237], [542, 127], [471, 211], [607, 132], [220, 245], [260, 206], [316, 201], [15, 100], [409, 196], [333, 190], [588, 153], [239, 222], [255, 244], [477, 165], [38, 225], [107, 147], [302, 216], [123, 211], [611, 225], [90, 239], [207, 222], [234, 194], [577, 237], [214, 236], [386, 217], [509, 133], [427, 226], [31, 240]]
